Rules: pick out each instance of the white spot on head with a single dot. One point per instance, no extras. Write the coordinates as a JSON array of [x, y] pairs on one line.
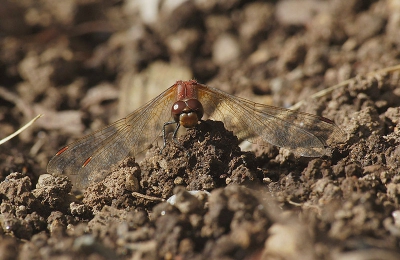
[[175, 106]]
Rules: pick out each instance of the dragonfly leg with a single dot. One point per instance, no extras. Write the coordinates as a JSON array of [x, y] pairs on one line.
[[177, 144], [174, 135], [164, 134]]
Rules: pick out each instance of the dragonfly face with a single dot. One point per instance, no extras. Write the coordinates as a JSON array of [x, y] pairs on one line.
[[187, 112]]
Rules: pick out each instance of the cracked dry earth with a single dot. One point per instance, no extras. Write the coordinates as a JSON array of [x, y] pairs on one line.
[[78, 62]]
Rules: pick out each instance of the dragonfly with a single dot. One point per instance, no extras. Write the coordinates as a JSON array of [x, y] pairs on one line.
[[184, 104]]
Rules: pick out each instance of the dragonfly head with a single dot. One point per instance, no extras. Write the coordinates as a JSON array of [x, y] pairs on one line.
[[187, 112]]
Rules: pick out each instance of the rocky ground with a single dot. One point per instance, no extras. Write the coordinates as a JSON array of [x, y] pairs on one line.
[[84, 64]]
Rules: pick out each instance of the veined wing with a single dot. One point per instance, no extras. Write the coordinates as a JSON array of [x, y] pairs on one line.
[[84, 160], [304, 134]]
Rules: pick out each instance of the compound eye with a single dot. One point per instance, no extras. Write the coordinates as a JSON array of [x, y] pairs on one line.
[[193, 104], [177, 108], [196, 106]]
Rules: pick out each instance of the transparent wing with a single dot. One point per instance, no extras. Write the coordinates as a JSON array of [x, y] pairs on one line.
[[84, 160], [305, 134]]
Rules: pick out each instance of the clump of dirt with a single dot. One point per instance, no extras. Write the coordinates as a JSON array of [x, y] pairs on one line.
[[229, 222], [116, 189], [209, 157]]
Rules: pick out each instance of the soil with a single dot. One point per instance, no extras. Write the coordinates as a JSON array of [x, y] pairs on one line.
[[84, 64]]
